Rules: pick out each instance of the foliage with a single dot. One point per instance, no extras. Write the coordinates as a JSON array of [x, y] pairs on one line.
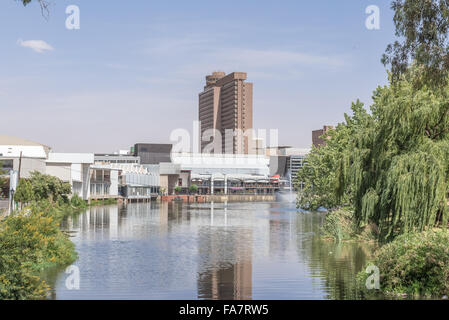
[[178, 189], [102, 202], [24, 192], [340, 225], [49, 187], [29, 242], [415, 264], [3, 181], [193, 188], [422, 27], [391, 167], [317, 182], [398, 166], [77, 202]]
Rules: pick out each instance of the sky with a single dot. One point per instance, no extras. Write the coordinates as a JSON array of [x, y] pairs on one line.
[[133, 70]]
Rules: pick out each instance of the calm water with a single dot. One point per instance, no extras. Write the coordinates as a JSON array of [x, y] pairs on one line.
[[207, 251]]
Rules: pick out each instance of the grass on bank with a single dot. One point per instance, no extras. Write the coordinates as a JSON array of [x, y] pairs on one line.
[[339, 225], [102, 202]]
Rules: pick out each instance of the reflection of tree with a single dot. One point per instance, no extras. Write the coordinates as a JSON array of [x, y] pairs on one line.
[[337, 263]]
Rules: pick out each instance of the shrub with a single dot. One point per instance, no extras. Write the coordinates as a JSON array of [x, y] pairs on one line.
[[29, 242], [24, 192], [415, 264], [178, 189], [49, 187], [193, 188], [77, 202]]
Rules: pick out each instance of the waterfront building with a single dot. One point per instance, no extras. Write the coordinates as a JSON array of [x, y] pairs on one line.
[[73, 168], [17, 153], [103, 182], [222, 173], [226, 104]]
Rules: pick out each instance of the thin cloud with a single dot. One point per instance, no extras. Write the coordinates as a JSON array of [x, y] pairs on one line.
[[38, 46]]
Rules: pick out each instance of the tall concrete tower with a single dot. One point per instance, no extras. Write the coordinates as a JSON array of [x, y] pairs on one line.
[[226, 105]]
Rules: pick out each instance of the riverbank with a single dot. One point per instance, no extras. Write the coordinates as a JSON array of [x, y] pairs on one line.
[[413, 264]]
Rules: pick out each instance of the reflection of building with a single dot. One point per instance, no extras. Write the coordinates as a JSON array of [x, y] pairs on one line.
[[226, 104], [226, 265], [279, 229], [317, 136]]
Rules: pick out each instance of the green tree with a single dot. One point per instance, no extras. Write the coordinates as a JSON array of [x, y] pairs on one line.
[[317, 182], [24, 193], [178, 189], [193, 188], [422, 28], [49, 187], [398, 168]]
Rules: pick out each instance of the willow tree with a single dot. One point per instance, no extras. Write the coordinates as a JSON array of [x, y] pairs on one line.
[[399, 166], [317, 182]]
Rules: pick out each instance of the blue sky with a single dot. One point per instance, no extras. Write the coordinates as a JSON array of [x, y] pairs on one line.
[[133, 71]]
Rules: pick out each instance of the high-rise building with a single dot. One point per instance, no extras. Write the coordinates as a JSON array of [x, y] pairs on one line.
[[226, 106]]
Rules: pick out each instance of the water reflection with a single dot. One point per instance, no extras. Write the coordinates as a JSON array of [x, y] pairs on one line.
[[225, 269], [207, 251]]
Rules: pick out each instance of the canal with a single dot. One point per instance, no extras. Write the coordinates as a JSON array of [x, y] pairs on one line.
[[207, 251]]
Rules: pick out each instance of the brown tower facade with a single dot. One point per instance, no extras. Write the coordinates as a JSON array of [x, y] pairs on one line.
[[226, 105]]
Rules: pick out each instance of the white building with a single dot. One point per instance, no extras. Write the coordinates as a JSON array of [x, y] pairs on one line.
[[28, 156], [135, 181], [212, 172], [103, 182], [73, 168], [202, 163]]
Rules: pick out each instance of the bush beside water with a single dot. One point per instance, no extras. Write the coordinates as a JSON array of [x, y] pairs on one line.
[[414, 264], [31, 239]]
